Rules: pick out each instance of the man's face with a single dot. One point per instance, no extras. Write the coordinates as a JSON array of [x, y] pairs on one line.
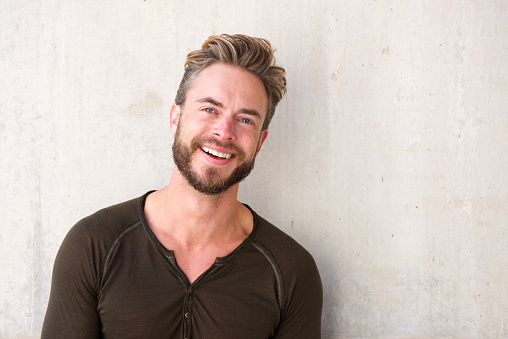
[[219, 134]]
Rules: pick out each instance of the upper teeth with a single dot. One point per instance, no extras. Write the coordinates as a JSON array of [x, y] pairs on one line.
[[217, 154]]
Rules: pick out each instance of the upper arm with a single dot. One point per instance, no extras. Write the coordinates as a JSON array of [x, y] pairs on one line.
[[72, 308], [304, 303]]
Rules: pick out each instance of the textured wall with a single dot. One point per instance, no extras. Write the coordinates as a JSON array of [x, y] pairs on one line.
[[387, 159]]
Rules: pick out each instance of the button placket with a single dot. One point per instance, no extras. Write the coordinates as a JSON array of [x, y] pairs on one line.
[[187, 314]]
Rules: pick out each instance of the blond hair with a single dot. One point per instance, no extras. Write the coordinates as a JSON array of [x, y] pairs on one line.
[[252, 54]]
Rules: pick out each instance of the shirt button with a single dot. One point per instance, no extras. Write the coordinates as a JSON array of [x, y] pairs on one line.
[[187, 315]]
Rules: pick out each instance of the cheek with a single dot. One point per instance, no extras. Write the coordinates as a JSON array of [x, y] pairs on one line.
[[196, 127], [186, 129]]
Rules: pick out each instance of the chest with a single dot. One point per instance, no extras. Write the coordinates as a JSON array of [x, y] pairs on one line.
[[143, 294]]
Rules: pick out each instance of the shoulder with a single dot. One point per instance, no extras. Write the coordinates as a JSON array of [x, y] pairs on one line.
[[301, 288], [283, 247], [295, 263], [87, 242], [78, 268], [107, 222]]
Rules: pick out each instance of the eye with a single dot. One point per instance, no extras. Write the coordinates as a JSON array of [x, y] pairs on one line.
[[246, 120], [209, 110]]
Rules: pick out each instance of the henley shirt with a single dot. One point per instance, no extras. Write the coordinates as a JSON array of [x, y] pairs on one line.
[[112, 278]]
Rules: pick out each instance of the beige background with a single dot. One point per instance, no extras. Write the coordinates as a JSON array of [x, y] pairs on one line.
[[387, 159]]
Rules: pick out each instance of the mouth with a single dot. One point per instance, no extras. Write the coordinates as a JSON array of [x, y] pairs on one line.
[[215, 153]]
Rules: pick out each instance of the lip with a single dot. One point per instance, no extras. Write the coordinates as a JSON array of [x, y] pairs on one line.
[[216, 160], [219, 149]]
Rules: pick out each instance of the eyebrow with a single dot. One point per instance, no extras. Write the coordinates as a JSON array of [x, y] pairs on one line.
[[212, 101]]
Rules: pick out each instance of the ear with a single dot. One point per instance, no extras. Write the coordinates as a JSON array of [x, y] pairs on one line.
[[262, 139], [174, 116]]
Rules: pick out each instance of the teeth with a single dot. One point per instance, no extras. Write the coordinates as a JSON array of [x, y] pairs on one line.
[[217, 154]]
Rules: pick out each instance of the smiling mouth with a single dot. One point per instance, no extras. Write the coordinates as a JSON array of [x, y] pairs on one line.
[[215, 153]]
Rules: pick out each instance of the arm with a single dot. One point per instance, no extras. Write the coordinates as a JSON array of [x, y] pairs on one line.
[[304, 303], [72, 309]]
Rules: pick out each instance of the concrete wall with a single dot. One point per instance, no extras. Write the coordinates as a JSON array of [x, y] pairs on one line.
[[387, 159]]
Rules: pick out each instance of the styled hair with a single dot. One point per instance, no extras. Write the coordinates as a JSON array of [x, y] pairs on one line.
[[252, 54]]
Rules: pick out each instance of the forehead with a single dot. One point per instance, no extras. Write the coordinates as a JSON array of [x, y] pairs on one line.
[[233, 86]]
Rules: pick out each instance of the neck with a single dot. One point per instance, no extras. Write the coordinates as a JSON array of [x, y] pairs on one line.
[[194, 218]]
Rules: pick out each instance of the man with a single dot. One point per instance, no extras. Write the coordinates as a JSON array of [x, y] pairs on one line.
[[189, 260]]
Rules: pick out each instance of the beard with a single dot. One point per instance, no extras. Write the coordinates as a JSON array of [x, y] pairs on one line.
[[210, 184]]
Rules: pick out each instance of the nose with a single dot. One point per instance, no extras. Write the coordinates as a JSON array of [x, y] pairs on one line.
[[224, 128]]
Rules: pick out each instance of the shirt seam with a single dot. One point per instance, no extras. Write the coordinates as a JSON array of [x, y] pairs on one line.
[[109, 252], [277, 272]]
